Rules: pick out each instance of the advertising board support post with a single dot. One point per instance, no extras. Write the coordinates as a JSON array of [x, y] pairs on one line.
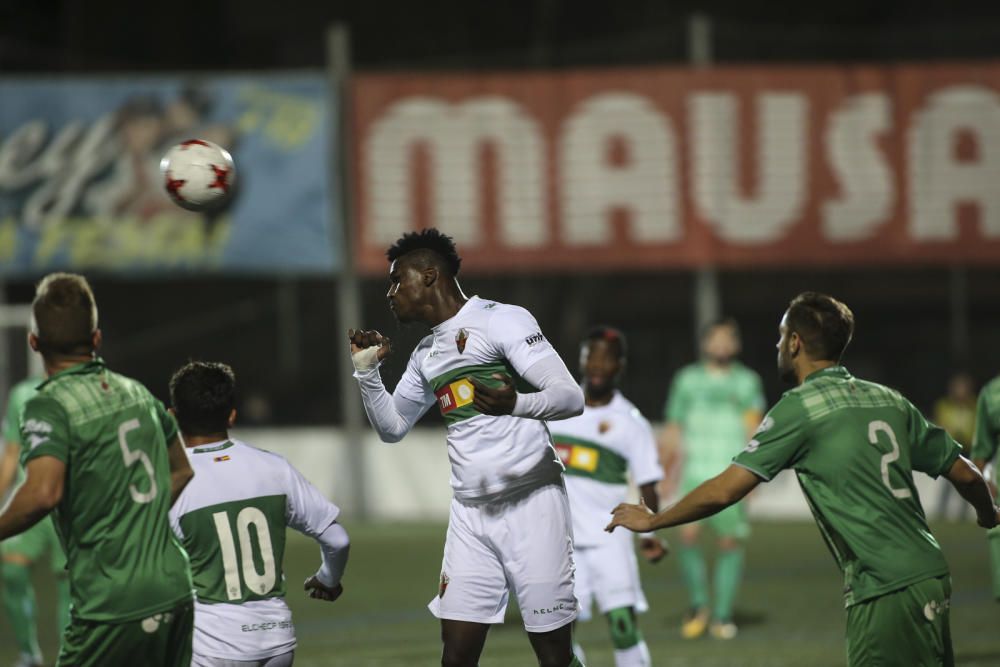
[[707, 298], [338, 55]]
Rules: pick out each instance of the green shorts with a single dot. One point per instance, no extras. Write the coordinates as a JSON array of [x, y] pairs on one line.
[[34, 542], [730, 522], [160, 640], [993, 538], [909, 627]]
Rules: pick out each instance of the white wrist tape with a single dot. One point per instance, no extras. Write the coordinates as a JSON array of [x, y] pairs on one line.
[[366, 359]]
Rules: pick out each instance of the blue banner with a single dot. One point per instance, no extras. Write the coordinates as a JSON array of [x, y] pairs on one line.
[[81, 190]]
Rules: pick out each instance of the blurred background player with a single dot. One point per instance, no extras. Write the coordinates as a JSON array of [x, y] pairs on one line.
[[104, 455], [509, 526], [984, 452], [955, 412], [231, 519], [854, 446], [600, 449], [19, 553], [712, 408]]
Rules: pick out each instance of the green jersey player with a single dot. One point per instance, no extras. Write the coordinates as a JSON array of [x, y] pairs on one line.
[[713, 406], [984, 450], [853, 445], [21, 552], [102, 455]]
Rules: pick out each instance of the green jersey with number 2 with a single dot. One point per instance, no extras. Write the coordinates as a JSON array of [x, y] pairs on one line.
[[112, 434], [854, 445]]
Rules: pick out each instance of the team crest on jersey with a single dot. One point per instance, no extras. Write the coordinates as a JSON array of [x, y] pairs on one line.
[[444, 585], [460, 338], [604, 427]]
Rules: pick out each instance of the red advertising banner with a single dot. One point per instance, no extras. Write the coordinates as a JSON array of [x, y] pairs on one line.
[[676, 167]]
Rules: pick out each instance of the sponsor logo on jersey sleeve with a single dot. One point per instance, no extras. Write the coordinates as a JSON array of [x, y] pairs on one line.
[[38, 432], [534, 338], [454, 395]]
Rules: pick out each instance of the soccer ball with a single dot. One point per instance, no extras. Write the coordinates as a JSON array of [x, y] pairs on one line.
[[198, 175]]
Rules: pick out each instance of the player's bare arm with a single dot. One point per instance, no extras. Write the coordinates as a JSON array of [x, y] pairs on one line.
[[970, 484], [707, 499], [652, 548], [35, 498], [989, 474], [495, 401], [180, 469]]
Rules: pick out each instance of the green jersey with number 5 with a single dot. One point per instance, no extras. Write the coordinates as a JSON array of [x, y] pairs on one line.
[[854, 446], [124, 561]]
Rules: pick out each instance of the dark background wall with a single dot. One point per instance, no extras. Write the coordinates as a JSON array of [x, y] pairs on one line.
[[281, 334]]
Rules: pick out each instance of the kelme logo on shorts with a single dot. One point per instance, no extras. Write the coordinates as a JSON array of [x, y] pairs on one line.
[[454, 395], [556, 607]]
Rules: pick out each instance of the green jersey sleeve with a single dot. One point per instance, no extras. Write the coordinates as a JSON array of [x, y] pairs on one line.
[[677, 400], [45, 430], [987, 436], [779, 440], [933, 450]]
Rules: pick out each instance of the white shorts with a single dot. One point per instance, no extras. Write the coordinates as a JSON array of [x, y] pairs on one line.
[[283, 660], [609, 575], [525, 545]]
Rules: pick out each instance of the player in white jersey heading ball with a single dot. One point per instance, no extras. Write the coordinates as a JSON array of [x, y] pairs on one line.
[[232, 524], [600, 448], [495, 379]]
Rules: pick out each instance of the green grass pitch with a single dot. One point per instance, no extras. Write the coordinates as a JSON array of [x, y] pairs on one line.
[[789, 609]]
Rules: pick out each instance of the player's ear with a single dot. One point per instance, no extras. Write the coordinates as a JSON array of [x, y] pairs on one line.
[[232, 417], [429, 275], [33, 341], [96, 339]]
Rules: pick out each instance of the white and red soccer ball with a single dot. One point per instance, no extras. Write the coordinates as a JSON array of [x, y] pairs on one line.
[[198, 175]]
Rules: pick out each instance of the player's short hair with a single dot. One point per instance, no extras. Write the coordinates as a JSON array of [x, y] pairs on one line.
[[824, 324], [434, 247], [612, 335], [203, 394], [726, 322], [64, 315]]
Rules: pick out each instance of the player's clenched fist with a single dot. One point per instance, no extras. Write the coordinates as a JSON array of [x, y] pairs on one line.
[[368, 348], [318, 591]]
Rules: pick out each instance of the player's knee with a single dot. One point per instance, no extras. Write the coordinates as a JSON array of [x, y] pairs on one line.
[[457, 654], [624, 629], [729, 543]]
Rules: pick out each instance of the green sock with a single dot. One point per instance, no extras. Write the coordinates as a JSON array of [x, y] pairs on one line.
[[62, 603], [728, 574], [694, 573], [19, 600]]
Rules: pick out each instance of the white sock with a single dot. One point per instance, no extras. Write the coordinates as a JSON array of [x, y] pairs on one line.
[[580, 655], [634, 656]]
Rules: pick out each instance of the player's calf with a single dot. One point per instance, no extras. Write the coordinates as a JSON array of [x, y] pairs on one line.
[[630, 648]]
